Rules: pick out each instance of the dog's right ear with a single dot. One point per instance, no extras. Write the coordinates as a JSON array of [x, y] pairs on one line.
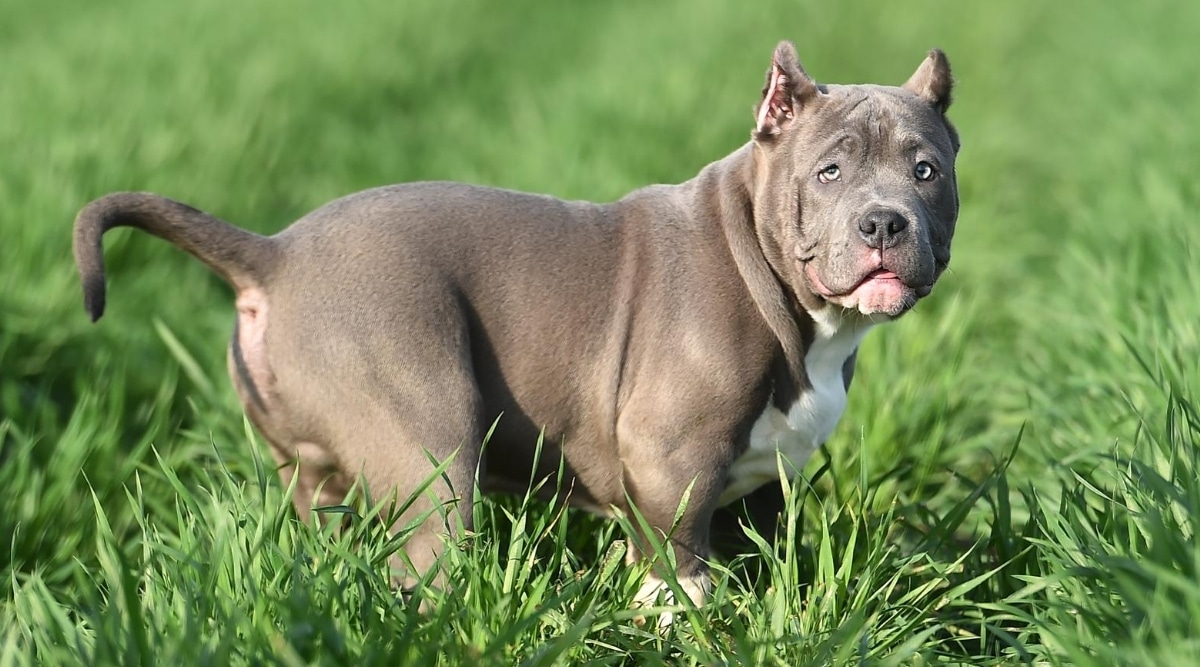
[[933, 81], [788, 88]]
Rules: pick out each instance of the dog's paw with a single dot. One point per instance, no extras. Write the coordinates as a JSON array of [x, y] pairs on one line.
[[656, 592]]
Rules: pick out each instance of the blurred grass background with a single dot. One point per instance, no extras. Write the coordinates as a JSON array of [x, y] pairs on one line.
[[1072, 309]]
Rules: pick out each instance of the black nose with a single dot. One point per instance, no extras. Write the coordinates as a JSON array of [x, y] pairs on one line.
[[882, 228]]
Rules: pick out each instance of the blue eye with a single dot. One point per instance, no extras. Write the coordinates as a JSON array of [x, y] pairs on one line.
[[829, 174], [924, 171]]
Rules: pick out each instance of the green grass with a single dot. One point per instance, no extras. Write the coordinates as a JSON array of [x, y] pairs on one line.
[[1017, 478]]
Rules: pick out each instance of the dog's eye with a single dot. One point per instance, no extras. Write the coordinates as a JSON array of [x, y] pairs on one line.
[[924, 171], [829, 174]]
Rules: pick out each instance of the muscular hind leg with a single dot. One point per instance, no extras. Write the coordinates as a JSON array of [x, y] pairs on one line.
[[392, 449], [312, 466], [319, 482], [400, 452], [383, 399]]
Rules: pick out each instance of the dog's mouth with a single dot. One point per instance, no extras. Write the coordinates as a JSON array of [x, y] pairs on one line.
[[879, 291]]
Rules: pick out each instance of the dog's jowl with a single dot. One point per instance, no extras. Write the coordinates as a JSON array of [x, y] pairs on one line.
[[677, 338]]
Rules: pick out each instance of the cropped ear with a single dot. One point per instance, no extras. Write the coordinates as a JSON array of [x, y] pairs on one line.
[[787, 89], [932, 81]]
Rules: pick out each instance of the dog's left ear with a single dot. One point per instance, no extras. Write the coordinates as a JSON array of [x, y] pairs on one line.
[[787, 89], [932, 81]]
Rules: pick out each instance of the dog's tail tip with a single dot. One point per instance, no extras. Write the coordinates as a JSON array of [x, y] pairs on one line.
[[93, 299], [90, 225]]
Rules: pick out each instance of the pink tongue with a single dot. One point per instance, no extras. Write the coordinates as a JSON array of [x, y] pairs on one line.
[[880, 291]]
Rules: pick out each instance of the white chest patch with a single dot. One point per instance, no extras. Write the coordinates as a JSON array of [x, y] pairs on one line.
[[797, 433]]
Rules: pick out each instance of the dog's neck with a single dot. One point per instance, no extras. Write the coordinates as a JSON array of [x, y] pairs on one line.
[[726, 189]]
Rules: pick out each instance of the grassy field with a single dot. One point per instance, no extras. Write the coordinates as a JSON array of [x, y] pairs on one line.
[[1017, 479]]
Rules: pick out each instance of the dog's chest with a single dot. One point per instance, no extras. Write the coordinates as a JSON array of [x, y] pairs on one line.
[[797, 432]]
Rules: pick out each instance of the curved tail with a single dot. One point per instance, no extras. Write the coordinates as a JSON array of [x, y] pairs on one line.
[[242, 258]]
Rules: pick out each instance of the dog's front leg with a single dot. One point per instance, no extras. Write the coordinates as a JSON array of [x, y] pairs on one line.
[[675, 499]]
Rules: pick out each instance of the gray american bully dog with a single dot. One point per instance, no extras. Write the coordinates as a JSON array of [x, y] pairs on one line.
[[677, 338]]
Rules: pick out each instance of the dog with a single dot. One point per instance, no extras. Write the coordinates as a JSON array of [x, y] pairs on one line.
[[677, 342]]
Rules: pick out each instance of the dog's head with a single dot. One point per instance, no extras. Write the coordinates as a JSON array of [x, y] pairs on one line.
[[854, 186]]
